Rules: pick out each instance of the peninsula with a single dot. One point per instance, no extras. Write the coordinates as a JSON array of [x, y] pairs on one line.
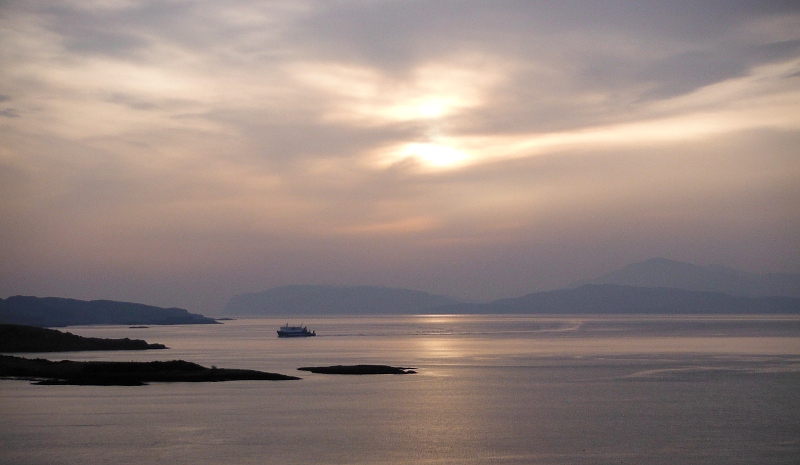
[[21, 338], [57, 311], [124, 373]]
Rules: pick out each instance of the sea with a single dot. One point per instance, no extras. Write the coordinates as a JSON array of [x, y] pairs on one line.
[[488, 389]]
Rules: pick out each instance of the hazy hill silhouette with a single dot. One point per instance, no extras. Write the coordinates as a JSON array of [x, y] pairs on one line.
[[614, 299], [57, 311], [661, 272], [322, 300]]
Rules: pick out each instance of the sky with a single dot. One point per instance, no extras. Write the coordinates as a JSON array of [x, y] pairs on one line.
[[176, 152]]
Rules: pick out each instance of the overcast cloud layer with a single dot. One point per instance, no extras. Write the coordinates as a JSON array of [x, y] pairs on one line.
[[179, 152]]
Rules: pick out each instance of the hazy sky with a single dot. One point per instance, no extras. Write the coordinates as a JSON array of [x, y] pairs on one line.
[[178, 152]]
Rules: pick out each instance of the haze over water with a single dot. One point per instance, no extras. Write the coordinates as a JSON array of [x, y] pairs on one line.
[[489, 389]]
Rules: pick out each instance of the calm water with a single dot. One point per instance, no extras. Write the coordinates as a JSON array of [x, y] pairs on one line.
[[495, 390]]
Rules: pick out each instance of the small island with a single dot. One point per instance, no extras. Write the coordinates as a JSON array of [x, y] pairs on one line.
[[124, 373], [360, 370], [21, 338]]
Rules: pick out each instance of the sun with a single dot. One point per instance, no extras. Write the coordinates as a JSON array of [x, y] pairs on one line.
[[433, 108]]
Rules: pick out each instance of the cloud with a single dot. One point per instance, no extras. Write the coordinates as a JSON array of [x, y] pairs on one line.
[[462, 147]]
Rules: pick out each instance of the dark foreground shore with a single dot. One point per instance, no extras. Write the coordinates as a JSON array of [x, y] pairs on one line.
[[124, 373]]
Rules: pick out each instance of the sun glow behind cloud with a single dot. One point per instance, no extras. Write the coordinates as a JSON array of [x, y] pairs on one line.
[[763, 99]]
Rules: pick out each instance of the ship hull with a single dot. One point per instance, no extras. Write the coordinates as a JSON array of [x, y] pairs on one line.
[[280, 334]]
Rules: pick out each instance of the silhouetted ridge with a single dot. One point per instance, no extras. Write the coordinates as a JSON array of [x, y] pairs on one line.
[[57, 311]]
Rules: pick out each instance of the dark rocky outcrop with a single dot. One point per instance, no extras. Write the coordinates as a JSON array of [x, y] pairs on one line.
[[360, 370], [20, 338], [123, 373]]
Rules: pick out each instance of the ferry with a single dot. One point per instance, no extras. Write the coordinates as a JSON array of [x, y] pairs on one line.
[[295, 331]]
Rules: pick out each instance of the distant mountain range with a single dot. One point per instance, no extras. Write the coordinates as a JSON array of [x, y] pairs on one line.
[[334, 300], [57, 311], [660, 272], [653, 286]]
